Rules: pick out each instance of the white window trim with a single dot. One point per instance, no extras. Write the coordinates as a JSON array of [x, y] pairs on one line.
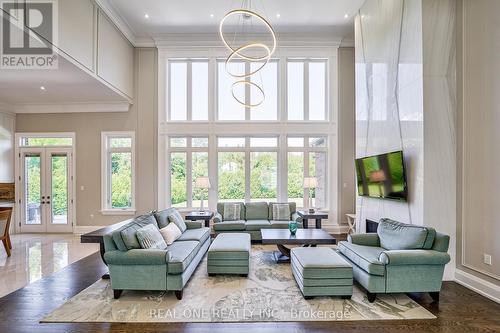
[[106, 209], [188, 150]]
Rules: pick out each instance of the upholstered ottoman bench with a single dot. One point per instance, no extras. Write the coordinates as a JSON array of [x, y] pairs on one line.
[[321, 271], [229, 254]]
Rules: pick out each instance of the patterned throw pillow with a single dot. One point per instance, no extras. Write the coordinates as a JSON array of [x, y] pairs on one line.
[[149, 237], [170, 233], [281, 212], [176, 218], [232, 211]]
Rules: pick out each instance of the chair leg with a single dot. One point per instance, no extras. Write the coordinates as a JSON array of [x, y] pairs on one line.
[[6, 245], [371, 296], [117, 293], [9, 242], [435, 296], [178, 294]]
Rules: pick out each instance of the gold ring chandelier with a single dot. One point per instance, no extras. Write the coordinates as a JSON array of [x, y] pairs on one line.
[[239, 53]]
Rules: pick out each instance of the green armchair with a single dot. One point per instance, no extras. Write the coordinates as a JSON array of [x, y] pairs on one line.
[[399, 258]]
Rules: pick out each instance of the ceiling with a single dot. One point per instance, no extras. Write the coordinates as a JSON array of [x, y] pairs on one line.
[[68, 83], [195, 16]]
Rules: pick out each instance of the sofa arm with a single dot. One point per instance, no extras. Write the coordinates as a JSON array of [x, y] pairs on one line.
[[364, 239], [137, 257], [217, 218], [194, 224], [414, 257], [296, 217]]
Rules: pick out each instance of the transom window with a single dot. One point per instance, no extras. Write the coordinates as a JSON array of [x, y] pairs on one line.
[[307, 94], [118, 172], [188, 89]]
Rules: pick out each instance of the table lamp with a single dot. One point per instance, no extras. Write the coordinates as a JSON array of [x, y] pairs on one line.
[[310, 183], [202, 183]]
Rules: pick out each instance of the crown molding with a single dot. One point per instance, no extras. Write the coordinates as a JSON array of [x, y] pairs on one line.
[[118, 20], [318, 40], [7, 108], [347, 42], [73, 107]]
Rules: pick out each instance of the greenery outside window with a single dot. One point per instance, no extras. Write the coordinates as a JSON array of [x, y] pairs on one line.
[[118, 172]]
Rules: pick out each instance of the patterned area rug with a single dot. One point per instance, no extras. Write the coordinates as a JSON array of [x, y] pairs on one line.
[[268, 294]]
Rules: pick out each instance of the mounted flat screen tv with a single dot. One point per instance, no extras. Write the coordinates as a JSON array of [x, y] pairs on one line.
[[382, 176]]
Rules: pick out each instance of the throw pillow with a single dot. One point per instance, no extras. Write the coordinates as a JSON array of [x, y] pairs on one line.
[[170, 233], [149, 237], [281, 212], [176, 218], [232, 211]]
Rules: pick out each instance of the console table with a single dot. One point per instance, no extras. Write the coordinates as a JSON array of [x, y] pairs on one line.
[[204, 215], [306, 216]]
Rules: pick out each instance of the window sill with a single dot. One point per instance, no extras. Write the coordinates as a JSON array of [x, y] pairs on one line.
[[118, 212]]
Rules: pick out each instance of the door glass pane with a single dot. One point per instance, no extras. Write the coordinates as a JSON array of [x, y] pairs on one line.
[[178, 179], [200, 169], [296, 178], [37, 142], [263, 142], [32, 190], [231, 142], [317, 168], [120, 142], [263, 176], [231, 167], [59, 199], [121, 180]]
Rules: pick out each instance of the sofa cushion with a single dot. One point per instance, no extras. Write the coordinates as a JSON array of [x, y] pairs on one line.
[[257, 224], [400, 236], [200, 235], [232, 211], [149, 237], [279, 224], [293, 209], [320, 263], [366, 257], [162, 217], [281, 212], [180, 255], [125, 238], [256, 211], [170, 233], [220, 209], [230, 226], [176, 218]]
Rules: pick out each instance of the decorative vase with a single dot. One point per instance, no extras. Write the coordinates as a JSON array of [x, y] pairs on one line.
[[292, 226]]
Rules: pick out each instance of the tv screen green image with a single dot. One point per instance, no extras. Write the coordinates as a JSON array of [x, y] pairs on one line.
[[382, 176]]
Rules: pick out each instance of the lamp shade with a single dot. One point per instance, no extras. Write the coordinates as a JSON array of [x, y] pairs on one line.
[[310, 182], [202, 182]]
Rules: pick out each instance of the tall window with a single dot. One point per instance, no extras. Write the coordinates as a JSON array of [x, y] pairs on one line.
[[188, 161], [307, 157], [267, 78], [188, 89], [118, 168], [307, 96], [247, 168]]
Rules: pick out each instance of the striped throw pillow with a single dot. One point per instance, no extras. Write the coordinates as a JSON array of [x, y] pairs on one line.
[[149, 237], [281, 212], [232, 211]]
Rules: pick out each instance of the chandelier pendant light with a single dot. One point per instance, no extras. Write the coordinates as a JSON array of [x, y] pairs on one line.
[[241, 52]]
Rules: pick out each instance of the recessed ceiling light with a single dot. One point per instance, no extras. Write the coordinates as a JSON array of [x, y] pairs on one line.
[[278, 15], [212, 15], [346, 16], [146, 16], [42, 88]]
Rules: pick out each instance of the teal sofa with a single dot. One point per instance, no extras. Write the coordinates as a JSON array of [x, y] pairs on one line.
[[133, 268], [399, 258], [254, 216]]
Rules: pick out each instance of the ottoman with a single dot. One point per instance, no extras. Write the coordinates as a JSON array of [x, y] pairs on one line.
[[321, 271], [229, 254]]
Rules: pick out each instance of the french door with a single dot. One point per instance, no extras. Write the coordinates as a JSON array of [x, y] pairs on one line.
[[46, 194]]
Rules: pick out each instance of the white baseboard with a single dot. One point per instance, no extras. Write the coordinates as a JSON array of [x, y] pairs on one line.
[[480, 286], [83, 229], [335, 228]]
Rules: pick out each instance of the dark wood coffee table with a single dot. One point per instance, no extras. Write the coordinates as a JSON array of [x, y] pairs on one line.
[[304, 237]]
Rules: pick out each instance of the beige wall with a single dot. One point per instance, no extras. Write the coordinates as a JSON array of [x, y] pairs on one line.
[[346, 130], [88, 127], [478, 64]]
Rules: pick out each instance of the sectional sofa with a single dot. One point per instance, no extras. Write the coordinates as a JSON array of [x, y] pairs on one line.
[[254, 216], [134, 268]]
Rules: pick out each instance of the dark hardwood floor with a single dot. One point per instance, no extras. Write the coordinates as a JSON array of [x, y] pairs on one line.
[[459, 311]]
